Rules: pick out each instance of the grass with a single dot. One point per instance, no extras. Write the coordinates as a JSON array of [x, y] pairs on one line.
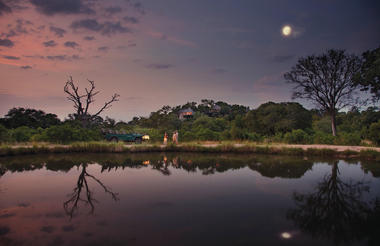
[[224, 147]]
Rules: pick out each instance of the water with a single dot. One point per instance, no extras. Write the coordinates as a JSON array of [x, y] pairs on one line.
[[187, 199]]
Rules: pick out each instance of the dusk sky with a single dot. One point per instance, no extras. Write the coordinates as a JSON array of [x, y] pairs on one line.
[[168, 52]]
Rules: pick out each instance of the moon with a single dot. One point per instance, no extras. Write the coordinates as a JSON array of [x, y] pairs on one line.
[[286, 30], [286, 235]]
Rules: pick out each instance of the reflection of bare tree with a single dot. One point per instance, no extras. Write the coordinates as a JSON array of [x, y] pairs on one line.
[[72, 204], [335, 211]]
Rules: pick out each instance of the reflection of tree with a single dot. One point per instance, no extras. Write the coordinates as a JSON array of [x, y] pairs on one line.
[[371, 230], [162, 166], [284, 167], [72, 204], [335, 211]]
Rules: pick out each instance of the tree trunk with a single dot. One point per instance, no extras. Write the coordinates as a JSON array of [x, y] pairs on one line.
[[333, 123]]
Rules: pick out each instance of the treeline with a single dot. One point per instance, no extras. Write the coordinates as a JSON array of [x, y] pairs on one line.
[[287, 122], [24, 125]]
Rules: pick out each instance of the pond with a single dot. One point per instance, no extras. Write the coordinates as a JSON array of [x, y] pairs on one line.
[[188, 199]]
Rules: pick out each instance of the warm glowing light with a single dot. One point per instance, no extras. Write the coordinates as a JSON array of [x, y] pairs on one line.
[[286, 235], [286, 30]]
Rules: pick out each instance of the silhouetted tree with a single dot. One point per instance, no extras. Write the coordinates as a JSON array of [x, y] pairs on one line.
[[32, 118], [82, 102], [326, 80]]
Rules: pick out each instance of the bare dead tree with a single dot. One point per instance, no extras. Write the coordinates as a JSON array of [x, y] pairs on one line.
[[82, 101], [72, 204], [327, 81]]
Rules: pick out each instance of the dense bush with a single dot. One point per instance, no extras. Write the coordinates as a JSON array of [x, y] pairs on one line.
[[68, 133], [22, 134], [4, 134], [323, 138], [374, 133], [345, 138], [297, 137], [207, 134]]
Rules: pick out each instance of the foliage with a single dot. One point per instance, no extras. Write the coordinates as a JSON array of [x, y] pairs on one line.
[[345, 138], [323, 138], [22, 133], [369, 75], [374, 132], [326, 80], [32, 118], [297, 137], [4, 134], [270, 118], [270, 122], [69, 133]]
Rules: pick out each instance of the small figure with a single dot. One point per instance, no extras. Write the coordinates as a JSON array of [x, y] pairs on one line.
[[165, 138], [175, 137]]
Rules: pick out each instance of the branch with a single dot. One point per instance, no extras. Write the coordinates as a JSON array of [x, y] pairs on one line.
[[108, 104]]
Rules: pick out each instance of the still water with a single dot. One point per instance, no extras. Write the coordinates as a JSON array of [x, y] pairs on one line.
[[188, 199]]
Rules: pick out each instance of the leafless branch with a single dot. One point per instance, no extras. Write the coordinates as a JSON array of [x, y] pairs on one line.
[[82, 102]]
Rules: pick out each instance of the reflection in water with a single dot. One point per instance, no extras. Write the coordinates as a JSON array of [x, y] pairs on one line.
[[72, 204], [273, 166], [186, 199], [336, 210]]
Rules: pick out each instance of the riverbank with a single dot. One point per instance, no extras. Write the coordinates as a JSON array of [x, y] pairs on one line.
[[372, 153]]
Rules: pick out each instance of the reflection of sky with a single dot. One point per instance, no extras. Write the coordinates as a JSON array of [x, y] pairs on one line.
[[155, 53], [236, 206]]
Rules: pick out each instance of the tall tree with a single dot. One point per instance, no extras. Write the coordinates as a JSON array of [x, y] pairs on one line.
[[326, 80], [83, 101], [369, 76]]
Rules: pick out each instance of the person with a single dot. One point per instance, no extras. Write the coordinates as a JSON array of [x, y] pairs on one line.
[[175, 137], [165, 138]]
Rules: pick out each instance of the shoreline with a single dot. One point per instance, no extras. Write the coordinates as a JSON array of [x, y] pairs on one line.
[[357, 152]]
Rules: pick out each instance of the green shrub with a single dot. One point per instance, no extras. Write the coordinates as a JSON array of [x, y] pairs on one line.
[[253, 136], [67, 133], [323, 138], [22, 133], [278, 137], [207, 134], [225, 135], [188, 136], [5, 136], [345, 138], [374, 133], [297, 137], [238, 133]]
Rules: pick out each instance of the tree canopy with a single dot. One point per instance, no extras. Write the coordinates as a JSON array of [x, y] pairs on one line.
[[17, 117], [326, 80], [369, 76]]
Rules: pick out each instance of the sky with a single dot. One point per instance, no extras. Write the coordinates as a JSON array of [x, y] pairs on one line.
[[168, 52]]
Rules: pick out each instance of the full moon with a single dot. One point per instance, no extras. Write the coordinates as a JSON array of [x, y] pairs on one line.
[[286, 30], [286, 235]]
